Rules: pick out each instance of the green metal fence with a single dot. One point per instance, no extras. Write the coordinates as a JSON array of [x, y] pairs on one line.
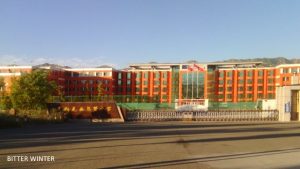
[[232, 106], [147, 106]]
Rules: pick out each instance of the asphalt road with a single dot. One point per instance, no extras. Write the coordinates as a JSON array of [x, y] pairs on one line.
[[154, 145]]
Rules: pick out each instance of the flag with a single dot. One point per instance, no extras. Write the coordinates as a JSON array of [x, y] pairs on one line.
[[195, 67], [201, 69], [191, 68]]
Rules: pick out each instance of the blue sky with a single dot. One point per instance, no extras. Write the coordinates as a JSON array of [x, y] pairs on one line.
[[85, 33]]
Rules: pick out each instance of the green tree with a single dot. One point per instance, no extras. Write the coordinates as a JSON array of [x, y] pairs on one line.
[[6, 103], [100, 90], [32, 91], [2, 93], [2, 84]]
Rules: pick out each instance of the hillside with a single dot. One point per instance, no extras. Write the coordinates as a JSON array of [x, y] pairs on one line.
[[267, 61]]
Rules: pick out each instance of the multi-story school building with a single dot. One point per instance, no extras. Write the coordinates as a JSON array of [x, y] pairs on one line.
[[169, 82]]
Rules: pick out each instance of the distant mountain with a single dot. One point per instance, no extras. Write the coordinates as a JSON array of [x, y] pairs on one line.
[[104, 66], [267, 61], [52, 66]]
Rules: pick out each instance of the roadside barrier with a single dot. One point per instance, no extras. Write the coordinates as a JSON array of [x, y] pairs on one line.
[[219, 115]]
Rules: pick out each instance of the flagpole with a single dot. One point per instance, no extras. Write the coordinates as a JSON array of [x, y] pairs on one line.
[[193, 84], [197, 85], [187, 87]]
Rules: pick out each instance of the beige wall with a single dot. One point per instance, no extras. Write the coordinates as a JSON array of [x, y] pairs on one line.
[[9, 73], [283, 100]]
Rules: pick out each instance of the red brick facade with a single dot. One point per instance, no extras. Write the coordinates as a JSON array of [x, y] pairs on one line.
[[163, 83]]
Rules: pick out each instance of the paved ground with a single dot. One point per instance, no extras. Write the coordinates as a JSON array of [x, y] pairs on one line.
[[155, 145]]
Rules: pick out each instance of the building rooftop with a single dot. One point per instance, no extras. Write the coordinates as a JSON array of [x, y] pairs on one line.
[[220, 65], [235, 63], [15, 67], [147, 66]]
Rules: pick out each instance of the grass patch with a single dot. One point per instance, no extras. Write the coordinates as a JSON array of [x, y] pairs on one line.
[[23, 119]]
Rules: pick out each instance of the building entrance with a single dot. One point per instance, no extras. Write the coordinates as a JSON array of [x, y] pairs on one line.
[[295, 105]]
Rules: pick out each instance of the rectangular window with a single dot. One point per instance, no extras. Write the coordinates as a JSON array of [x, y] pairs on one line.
[[138, 75], [270, 80], [145, 89], [128, 75], [105, 73], [294, 70], [287, 78], [157, 75], [260, 73], [249, 81], [249, 73], [286, 70], [229, 89], [128, 82], [241, 73], [99, 74], [165, 74], [221, 74], [229, 96], [229, 82], [120, 89], [145, 82], [271, 96], [260, 81], [241, 88], [241, 96], [241, 81], [145, 75], [119, 75], [250, 88], [229, 74], [270, 73]]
